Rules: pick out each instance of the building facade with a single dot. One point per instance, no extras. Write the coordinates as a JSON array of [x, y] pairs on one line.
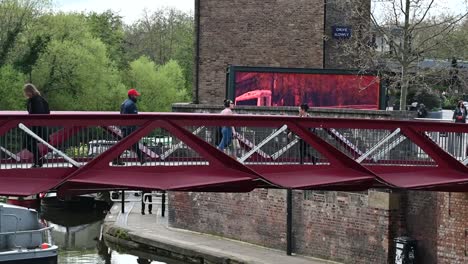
[[272, 33]]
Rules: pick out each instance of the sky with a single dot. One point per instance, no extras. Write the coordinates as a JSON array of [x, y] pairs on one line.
[[455, 7], [130, 10]]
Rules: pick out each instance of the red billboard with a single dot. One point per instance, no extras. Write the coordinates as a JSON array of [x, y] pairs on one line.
[[292, 87]]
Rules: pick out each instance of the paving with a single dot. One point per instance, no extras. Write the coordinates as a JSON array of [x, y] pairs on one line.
[[153, 231]]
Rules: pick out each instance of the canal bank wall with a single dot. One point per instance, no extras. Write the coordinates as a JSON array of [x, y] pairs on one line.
[[148, 236]]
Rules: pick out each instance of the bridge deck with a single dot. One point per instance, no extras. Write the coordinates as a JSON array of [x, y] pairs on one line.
[[179, 151]]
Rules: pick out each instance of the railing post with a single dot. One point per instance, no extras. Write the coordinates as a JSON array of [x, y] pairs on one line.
[[123, 202], [163, 203]]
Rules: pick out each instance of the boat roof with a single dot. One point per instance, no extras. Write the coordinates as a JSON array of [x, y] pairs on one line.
[[15, 206]]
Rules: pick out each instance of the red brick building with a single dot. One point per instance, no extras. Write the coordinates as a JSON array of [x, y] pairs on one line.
[[272, 33]]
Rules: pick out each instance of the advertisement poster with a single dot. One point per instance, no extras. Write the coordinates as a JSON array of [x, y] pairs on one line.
[[330, 90]]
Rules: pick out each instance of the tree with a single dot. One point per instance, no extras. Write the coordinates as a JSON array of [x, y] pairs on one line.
[[15, 16], [164, 35], [413, 18], [74, 72], [33, 48], [402, 33], [160, 86], [11, 88], [108, 27]]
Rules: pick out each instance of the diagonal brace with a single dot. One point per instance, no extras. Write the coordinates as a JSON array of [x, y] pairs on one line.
[[261, 144], [38, 138]]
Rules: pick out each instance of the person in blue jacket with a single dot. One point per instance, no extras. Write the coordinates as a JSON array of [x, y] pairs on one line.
[[129, 107]]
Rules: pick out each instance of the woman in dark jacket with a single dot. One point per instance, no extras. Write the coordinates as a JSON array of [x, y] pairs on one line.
[[36, 104], [459, 114]]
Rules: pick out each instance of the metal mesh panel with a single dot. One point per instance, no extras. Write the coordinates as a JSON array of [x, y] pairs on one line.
[[453, 143]]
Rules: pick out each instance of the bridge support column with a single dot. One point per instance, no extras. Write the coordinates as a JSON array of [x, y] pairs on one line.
[[289, 222]]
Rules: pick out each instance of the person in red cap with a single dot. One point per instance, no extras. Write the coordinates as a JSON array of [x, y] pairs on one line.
[[129, 107]]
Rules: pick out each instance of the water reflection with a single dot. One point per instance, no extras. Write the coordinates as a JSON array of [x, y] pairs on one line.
[[80, 257], [77, 233]]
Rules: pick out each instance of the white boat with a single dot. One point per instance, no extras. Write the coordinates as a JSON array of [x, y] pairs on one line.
[[21, 237]]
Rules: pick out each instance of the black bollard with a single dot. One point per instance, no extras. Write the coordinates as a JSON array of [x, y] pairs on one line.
[[163, 204], [123, 202]]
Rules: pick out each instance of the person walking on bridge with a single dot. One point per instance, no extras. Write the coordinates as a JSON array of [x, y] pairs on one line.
[[36, 104], [129, 107], [226, 131], [304, 151], [459, 114], [457, 147]]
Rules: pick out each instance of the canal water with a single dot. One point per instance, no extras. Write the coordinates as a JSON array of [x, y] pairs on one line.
[[77, 233]]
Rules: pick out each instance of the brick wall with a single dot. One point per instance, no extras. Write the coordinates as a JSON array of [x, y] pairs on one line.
[[439, 223], [452, 237], [341, 226], [256, 33], [343, 53], [420, 211], [257, 217]]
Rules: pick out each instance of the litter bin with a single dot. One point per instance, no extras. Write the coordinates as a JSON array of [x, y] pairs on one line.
[[405, 250]]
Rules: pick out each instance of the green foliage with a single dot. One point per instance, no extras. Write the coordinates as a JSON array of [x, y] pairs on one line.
[[78, 151], [164, 35], [34, 48], [15, 17], [79, 61], [160, 86], [11, 89], [75, 72], [120, 233], [450, 103], [108, 27]]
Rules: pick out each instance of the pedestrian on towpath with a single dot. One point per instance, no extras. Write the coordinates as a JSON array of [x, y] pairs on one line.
[[36, 104], [148, 198]]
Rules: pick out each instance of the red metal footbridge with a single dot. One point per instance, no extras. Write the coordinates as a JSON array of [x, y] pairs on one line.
[[79, 150]]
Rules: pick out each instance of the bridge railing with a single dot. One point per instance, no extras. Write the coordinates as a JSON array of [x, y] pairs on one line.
[[83, 140]]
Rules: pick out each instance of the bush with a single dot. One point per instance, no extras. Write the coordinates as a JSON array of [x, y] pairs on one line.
[[430, 99], [450, 103]]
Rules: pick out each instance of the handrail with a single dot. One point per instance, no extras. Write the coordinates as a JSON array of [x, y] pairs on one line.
[[27, 231]]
